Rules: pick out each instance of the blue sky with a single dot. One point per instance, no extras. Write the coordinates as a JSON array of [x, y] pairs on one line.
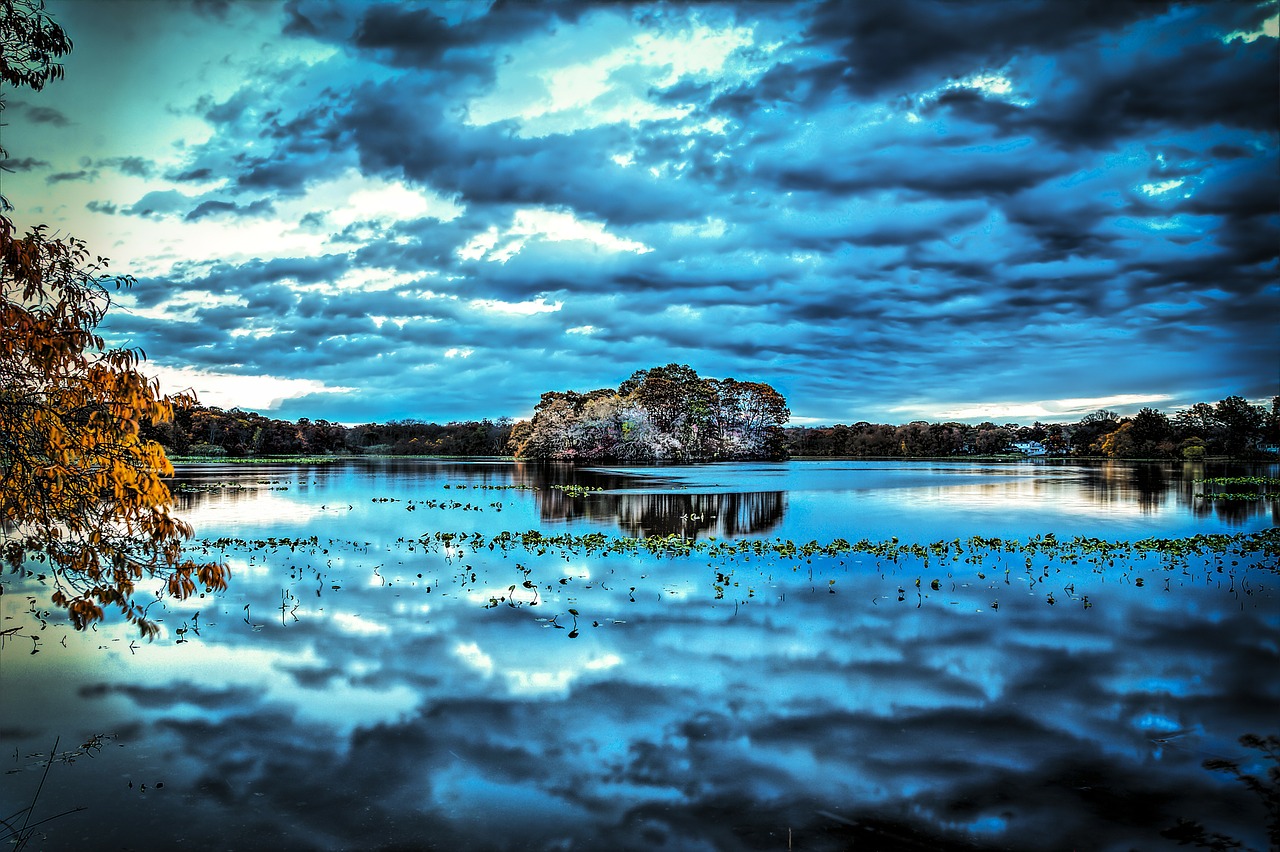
[[888, 210]]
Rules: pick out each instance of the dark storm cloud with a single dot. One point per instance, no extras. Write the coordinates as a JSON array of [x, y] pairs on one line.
[[86, 175], [203, 697], [197, 174], [413, 35], [23, 164], [1212, 82], [900, 48], [39, 114], [490, 166], [132, 166], [214, 207]]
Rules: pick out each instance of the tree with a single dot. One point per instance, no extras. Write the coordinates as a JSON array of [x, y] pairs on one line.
[[1241, 422], [1197, 422], [992, 439], [660, 414], [1087, 435], [1271, 430], [1119, 443], [30, 42], [83, 491], [1151, 433]]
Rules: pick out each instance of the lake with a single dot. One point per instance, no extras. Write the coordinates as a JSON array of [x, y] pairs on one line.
[[487, 654]]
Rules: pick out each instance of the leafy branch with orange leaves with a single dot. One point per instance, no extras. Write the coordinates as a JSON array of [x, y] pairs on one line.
[[81, 490]]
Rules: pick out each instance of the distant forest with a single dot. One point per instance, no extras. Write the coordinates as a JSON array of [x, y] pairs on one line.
[[571, 425], [1232, 427]]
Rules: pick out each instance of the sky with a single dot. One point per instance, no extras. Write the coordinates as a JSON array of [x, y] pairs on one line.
[[1000, 210]]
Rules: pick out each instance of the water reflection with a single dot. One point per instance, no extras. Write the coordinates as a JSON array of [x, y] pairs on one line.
[[923, 500], [360, 692], [1160, 486], [688, 515]]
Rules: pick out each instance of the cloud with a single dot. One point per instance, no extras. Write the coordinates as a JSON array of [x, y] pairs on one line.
[[86, 175], [213, 207], [546, 225], [943, 207], [1049, 410], [40, 114], [228, 390], [23, 164], [159, 203]]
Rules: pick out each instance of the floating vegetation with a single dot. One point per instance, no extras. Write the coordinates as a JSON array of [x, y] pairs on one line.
[[188, 488], [576, 490], [975, 572], [482, 487], [1260, 488], [412, 505], [206, 487], [971, 550], [1239, 496]]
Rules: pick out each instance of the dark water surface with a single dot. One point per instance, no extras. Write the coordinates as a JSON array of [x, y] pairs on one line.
[[370, 689]]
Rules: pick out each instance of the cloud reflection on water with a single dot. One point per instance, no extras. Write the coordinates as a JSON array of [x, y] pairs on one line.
[[390, 716]]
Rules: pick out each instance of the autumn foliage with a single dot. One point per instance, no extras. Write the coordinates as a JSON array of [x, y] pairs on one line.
[[83, 492]]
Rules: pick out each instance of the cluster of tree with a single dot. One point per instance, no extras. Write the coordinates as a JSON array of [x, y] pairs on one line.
[[82, 490], [671, 414], [661, 414], [1231, 427], [199, 431]]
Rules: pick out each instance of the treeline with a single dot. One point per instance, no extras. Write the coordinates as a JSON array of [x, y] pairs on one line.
[[1230, 427], [669, 413], [215, 432], [661, 414]]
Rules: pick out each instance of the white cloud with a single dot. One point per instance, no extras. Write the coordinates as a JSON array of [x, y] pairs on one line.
[[1052, 409], [553, 226], [608, 661], [1161, 187], [150, 245], [358, 625], [1270, 28], [226, 390], [359, 198], [470, 653], [602, 72], [533, 306]]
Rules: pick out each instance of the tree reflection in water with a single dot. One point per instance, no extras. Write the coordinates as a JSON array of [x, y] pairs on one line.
[[1152, 485], [646, 513]]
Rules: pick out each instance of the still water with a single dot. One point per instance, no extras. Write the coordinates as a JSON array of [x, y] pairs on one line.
[[365, 684]]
